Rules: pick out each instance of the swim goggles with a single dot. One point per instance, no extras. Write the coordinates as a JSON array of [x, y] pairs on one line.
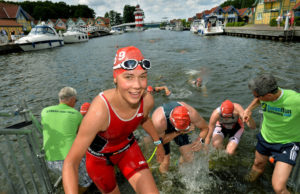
[[131, 64]]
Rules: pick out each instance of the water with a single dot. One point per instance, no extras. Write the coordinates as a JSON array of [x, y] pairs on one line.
[[226, 64]]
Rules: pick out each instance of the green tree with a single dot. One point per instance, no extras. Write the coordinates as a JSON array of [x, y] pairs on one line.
[[48, 10], [114, 17], [128, 15], [238, 4]]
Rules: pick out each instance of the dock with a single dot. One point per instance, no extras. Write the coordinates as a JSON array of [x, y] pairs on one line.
[[264, 32], [9, 48]]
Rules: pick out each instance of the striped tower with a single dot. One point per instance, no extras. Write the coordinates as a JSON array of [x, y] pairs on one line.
[[139, 17]]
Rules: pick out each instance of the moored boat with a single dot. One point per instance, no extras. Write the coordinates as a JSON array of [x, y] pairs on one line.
[[210, 26], [40, 37], [75, 35]]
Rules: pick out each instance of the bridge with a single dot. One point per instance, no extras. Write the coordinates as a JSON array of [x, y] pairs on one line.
[[132, 24]]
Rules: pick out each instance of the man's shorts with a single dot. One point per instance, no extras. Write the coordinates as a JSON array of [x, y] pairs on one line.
[[84, 179], [286, 153], [102, 173], [180, 140]]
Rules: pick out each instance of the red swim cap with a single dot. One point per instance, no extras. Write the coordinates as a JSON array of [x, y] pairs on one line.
[[150, 89], [180, 118], [84, 108], [124, 54], [227, 108]]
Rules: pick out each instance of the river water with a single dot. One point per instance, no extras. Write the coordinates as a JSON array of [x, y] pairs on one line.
[[225, 63]]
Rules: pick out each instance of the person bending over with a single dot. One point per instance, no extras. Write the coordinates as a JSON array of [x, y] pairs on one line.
[[226, 120], [173, 121]]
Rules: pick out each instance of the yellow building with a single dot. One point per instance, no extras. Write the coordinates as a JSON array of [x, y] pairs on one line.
[[14, 20], [268, 9]]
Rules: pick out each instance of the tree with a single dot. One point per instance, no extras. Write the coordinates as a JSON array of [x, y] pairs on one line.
[[238, 4], [48, 10], [114, 17], [128, 15]]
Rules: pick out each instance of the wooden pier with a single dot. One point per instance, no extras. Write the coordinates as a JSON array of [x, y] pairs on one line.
[[264, 32], [9, 48]]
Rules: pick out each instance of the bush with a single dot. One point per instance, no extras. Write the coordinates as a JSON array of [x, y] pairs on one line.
[[297, 21], [273, 22], [231, 24]]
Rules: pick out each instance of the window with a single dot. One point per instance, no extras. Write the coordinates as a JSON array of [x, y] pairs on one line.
[[259, 16], [261, 1]]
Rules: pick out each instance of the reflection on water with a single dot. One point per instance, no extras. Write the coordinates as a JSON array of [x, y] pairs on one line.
[[225, 63]]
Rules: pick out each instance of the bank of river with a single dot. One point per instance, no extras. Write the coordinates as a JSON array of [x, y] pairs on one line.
[[226, 64]]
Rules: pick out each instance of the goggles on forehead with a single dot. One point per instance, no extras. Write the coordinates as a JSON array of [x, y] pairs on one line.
[[131, 64]]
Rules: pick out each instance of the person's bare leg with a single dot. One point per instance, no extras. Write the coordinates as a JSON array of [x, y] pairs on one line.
[[143, 182], [258, 167], [164, 166], [231, 147], [280, 177]]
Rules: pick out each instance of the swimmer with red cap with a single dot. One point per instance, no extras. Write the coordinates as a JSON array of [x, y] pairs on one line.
[[84, 108], [226, 120], [151, 90], [173, 121], [106, 132]]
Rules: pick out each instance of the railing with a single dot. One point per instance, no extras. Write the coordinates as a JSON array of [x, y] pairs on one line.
[[22, 165]]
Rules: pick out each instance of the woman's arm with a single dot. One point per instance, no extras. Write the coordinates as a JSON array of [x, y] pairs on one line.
[[148, 126]]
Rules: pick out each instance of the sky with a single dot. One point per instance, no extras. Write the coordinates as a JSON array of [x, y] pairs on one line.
[[154, 10]]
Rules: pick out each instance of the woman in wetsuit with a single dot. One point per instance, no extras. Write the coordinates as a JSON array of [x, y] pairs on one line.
[[106, 132]]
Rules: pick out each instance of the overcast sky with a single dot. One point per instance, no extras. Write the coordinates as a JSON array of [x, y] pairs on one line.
[[154, 10]]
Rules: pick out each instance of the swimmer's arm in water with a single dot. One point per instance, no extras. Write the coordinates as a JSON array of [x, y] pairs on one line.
[[94, 121], [248, 111], [251, 123], [159, 88], [149, 127]]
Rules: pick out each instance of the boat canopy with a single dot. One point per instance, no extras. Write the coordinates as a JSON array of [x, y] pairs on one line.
[[42, 30]]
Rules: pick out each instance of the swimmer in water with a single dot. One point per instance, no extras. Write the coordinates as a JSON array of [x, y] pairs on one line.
[[152, 90], [173, 121], [106, 132], [226, 120], [197, 82]]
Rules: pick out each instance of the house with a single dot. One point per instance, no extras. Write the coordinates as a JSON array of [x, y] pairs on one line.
[[266, 10], [101, 21], [14, 19], [91, 21], [231, 14], [81, 22], [51, 22], [219, 12], [71, 22], [244, 14], [61, 24]]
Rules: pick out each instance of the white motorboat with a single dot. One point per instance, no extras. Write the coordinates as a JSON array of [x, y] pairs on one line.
[[40, 37], [195, 25], [116, 31], [74, 35], [210, 26]]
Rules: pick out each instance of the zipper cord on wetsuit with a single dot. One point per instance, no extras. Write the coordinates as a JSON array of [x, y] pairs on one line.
[[149, 160]]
